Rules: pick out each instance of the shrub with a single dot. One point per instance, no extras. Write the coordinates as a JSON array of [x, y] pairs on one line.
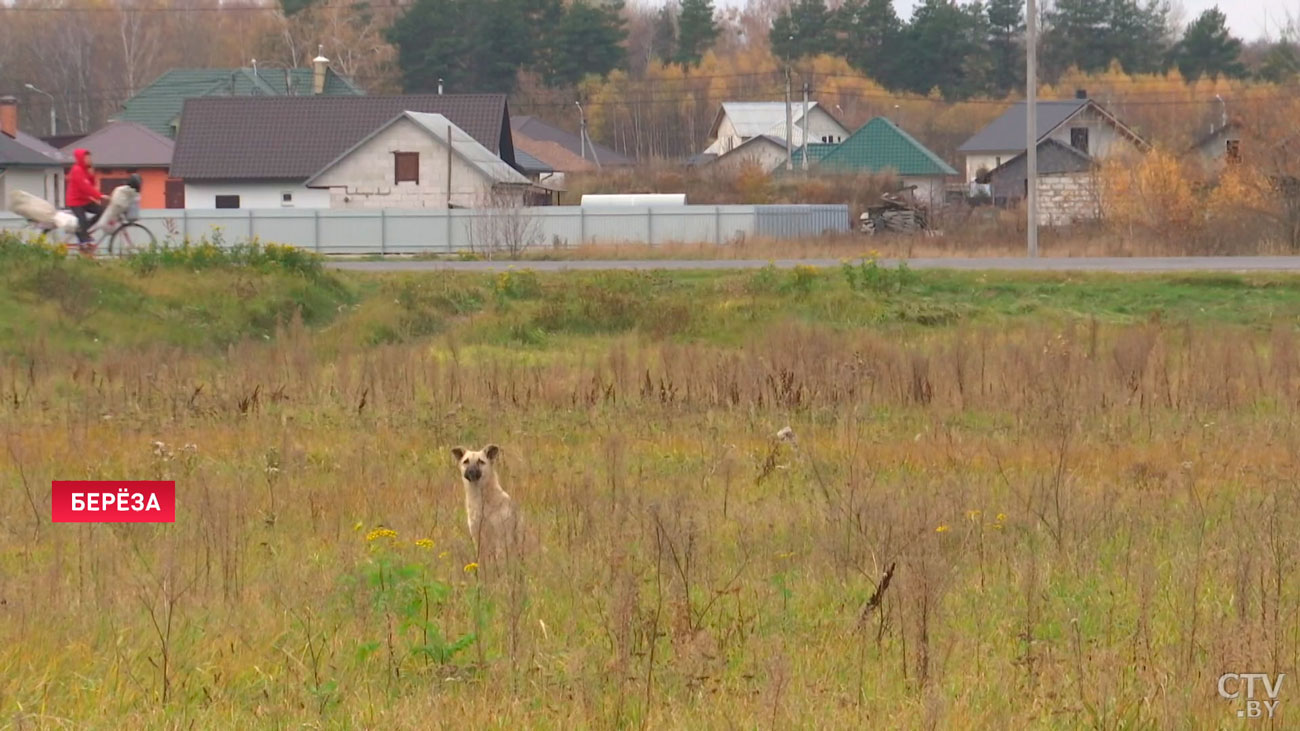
[[212, 253]]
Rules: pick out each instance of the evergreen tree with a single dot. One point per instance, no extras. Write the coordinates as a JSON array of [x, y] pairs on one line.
[[430, 48], [1207, 48], [588, 41], [696, 31], [481, 45], [944, 47], [870, 37], [1006, 19], [1089, 34], [802, 30], [663, 44]]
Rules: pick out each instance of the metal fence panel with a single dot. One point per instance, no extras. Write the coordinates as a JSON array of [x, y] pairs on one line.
[[410, 231], [784, 222]]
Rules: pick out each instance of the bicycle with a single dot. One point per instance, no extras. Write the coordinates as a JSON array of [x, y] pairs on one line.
[[124, 236]]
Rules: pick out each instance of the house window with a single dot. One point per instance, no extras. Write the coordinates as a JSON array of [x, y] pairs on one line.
[[1079, 138], [1232, 151], [286, 199], [227, 201], [406, 167]]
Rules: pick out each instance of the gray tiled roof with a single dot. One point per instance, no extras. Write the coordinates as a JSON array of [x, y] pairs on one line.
[[1008, 131], [291, 138], [125, 145], [29, 151], [531, 165]]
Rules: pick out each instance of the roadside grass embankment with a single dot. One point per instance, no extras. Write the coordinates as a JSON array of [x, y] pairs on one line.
[[1082, 488]]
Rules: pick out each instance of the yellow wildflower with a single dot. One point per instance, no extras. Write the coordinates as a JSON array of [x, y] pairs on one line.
[[425, 543], [471, 568], [378, 533], [942, 528], [1002, 517], [357, 526], [444, 554]]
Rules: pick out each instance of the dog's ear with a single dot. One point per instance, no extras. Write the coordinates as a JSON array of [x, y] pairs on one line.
[[458, 453], [492, 451]]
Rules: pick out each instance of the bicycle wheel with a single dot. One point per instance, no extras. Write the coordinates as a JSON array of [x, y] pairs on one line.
[[129, 239]]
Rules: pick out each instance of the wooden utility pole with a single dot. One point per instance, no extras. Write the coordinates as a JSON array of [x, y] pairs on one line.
[[1031, 122]]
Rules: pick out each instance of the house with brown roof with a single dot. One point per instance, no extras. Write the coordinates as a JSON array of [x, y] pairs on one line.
[[563, 151], [121, 149], [260, 152]]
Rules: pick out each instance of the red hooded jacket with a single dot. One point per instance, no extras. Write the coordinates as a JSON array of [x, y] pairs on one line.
[[83, 187]]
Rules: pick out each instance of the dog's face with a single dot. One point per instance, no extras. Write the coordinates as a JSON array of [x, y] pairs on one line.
[[476, 466]]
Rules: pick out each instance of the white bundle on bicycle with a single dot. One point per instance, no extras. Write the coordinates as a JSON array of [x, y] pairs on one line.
[[41, 212], [121, 202]]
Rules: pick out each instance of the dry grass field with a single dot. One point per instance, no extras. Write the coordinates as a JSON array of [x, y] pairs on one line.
[[1082, 491]]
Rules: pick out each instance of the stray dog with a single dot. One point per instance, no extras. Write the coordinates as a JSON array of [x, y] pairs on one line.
[[495, 524]]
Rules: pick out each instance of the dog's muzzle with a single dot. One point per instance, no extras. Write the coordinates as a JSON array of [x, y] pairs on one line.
[[472, 474]]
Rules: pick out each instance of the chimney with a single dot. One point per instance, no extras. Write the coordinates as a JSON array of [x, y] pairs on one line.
[[319, 65], [1080, 93], [9, 115]]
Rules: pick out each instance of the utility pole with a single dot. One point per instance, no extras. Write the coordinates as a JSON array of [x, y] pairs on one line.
[[582, 130], [805, 127], [54, 122], [789, 124], [1031, 122]]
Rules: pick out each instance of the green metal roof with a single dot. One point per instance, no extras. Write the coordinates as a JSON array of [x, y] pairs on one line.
[[816, 153], [158, 105], [881, 145]]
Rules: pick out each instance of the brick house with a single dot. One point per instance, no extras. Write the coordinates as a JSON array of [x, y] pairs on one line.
[[1068, 189], [419, 160], [259, 152]]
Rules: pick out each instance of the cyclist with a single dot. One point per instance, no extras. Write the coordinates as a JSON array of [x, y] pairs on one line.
[[84, 197]]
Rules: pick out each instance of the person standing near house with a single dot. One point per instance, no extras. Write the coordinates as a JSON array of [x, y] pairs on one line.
[[84, 197]]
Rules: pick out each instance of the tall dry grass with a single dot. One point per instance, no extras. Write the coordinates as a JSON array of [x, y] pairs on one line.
[[1082, 526]]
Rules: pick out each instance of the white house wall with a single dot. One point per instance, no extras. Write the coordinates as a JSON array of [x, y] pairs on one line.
[[44, 183], [929, 190], [1103, 140], [987, 162], [765, 155], [364, 179], [821, 126], [255, 195]]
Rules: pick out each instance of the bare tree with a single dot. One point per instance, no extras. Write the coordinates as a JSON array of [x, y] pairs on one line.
[[503, 224]]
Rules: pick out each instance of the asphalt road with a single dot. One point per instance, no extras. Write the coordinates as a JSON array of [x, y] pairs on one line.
[[1096, 264]]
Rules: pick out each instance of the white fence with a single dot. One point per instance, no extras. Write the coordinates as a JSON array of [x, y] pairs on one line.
[[333, 231]]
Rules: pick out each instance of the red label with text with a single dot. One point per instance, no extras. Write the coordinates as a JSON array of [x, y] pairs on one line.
[[113, 501]]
